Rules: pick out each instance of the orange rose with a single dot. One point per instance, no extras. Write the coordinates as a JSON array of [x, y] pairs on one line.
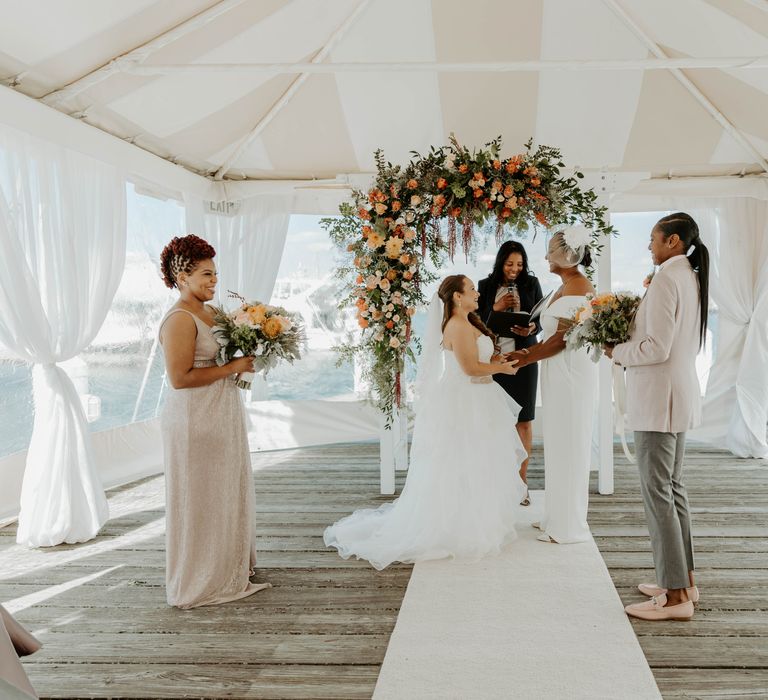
[[391, 275], [376, 314], [359, 279], [497, 165], [506, 213], [509, 191], [541, 218], [390, 324], [442, 183], [489, 204], [497, 184], [405, 259], [412, 184], [362, 322], [535, 181], [440, 200], [463, 168], [272, 327], [396, 205], [455, 212], [380, 208], [478, 193], [407, 275]]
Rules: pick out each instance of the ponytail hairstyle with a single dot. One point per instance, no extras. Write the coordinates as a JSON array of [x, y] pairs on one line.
[[688, 231], [449, 286]]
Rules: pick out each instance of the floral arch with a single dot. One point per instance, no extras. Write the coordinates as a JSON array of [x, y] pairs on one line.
[[414, 216]]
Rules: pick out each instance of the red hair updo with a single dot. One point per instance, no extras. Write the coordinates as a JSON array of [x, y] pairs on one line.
[[183, 255]]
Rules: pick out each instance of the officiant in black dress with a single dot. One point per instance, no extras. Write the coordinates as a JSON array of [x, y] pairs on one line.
[[511, 287]]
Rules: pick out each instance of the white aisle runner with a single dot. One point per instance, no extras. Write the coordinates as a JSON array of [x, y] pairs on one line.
[[539, 621]]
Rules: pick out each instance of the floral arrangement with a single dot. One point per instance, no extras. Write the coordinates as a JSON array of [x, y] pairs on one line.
[[268, 333], [606, 319], [417, 214]]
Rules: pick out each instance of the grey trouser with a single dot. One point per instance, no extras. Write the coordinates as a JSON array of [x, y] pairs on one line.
[[660, 463]]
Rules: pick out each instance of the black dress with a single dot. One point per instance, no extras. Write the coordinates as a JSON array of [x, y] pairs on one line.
[[521, 386]]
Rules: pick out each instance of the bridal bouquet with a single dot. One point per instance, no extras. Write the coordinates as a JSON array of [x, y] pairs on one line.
[[269, 333], [605, 319]]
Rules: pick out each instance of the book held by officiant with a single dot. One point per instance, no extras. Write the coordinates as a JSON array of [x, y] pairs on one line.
[[501, 322]]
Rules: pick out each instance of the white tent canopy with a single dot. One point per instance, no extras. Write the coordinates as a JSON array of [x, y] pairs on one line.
[[663, 104], [301, 89]]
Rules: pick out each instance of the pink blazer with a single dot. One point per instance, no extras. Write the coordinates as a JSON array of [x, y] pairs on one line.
[[663, 393]]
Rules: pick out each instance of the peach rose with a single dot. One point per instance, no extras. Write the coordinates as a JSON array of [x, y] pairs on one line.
[[272, 327], [412, 184], [380, 208], [394, 343], [442, 183]]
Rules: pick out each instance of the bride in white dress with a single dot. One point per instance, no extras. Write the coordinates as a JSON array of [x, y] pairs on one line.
[[568, 385], [463, 488]]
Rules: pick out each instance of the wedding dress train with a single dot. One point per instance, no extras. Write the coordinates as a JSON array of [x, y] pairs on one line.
[[463, 489]]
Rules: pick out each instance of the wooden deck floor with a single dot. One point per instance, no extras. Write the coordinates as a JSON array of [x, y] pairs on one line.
[[322, 631]]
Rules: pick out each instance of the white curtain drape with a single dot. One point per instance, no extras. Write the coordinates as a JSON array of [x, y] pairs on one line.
[[249, 244], [736, 402], [63, 233]]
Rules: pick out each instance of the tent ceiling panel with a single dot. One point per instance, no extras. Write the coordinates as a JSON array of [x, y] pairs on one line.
[[61, 41], [623, 118], [744, 13], [321, 145], [588, 136], [670, 127], [378, 105]]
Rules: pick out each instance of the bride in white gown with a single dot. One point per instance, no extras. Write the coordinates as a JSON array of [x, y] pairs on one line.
[[568, 382], [463, 488]]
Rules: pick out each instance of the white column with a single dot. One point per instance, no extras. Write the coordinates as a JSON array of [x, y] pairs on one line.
[[386, 456], [605, 385]]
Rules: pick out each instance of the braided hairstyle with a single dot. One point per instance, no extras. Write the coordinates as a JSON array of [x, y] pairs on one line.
[[183, 255], [687, 230], [450, 285]]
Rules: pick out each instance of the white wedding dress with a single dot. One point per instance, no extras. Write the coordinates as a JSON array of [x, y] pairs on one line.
[[568, 386], [463, 489]]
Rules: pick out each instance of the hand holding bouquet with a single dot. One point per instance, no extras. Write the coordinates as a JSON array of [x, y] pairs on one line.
[[266, 333], [606, 319]]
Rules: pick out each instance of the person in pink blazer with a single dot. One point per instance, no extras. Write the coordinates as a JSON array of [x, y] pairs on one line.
[[663, 402]]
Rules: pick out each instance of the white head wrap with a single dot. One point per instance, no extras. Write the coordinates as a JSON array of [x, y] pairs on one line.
[[566, 248]]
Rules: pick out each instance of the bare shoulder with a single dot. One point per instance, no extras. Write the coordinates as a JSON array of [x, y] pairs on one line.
[[578, 286], [456, 331], [178, 324]]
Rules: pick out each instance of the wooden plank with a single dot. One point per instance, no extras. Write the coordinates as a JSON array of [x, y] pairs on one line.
[[243, 681], [220, 648], [713, 684]]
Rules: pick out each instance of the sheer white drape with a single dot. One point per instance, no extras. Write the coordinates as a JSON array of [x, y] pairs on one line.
[[249, 245], [736, 400], [62, 228]]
